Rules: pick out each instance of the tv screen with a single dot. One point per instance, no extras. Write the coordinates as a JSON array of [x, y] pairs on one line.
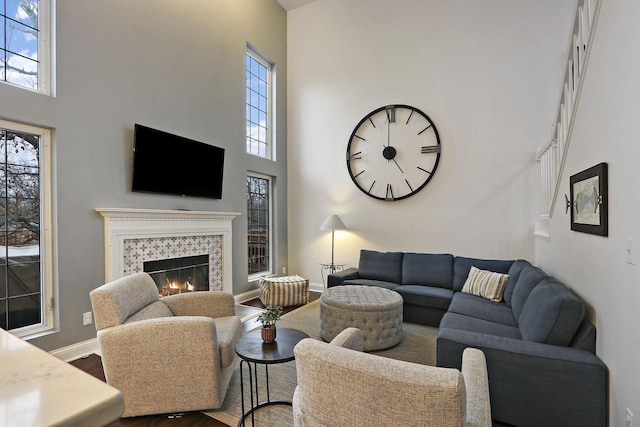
[[170, 164]]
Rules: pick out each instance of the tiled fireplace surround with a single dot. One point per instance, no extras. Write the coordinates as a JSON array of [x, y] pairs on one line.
[[133, 236]]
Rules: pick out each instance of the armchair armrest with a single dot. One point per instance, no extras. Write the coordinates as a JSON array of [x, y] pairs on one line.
[[474, 371], [338, 277], [206, 303]]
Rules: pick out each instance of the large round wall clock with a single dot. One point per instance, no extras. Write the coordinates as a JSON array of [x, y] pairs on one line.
[[393, 152]]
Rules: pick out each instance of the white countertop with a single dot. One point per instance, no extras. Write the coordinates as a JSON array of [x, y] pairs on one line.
[[38, 389]]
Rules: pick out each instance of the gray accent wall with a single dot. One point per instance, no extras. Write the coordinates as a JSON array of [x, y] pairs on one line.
[[175, 66]]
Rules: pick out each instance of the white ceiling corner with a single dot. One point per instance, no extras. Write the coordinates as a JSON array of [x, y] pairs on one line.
[[292, 4]]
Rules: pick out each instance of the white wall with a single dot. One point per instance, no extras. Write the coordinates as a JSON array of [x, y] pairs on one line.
[[607, 130], [176, 66], [488, 73]]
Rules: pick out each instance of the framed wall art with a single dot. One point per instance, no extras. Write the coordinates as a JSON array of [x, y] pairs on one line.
[[589, 201]]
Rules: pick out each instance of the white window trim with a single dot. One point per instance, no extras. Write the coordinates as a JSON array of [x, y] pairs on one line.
[[45, 49], [48, 288], [269, 272], [45, 45], [271, 152]]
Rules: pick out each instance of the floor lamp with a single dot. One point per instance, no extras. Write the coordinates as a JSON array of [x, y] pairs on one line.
[[333, 222]]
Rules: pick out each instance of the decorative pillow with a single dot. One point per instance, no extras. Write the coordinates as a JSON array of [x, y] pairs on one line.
[[485, 284]]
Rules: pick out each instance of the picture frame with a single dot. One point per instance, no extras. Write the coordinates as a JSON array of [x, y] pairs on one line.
[[589, 201]]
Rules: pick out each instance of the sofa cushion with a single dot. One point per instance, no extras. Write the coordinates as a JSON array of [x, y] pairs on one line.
[[384, 266], [462, 266], [514, 273], [368, 282], [529, 278], [428, 269], [481, 308], [551, 315], [485, 284], [472, 324], [426, 296]]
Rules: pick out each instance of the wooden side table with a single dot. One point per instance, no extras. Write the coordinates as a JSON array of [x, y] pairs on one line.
[[252, 350]]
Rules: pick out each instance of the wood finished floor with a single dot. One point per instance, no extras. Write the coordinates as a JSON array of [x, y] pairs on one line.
[[92, 364]]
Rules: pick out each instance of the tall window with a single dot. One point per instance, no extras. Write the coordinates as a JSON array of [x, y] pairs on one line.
[[24, 43], [259, 225], [25, 256], [258, 105]]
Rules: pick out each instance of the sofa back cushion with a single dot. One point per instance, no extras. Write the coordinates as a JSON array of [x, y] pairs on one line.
[[528, 279], [462, 266], [551, 315], [514, 274], [384, 266], [428, 269]]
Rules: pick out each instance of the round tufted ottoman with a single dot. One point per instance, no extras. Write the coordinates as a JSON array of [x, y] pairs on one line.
[[376, 311]]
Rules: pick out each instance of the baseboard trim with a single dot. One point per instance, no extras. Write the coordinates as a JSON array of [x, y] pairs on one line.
[[77, 350], [246, 296]]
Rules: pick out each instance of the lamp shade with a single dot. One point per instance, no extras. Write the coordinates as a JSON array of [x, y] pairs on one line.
[[333, 222]]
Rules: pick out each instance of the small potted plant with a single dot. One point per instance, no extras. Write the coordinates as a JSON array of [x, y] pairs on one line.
[[268, 318]]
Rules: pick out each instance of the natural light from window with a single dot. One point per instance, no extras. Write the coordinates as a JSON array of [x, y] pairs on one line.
[[258, 116], [24, 43]]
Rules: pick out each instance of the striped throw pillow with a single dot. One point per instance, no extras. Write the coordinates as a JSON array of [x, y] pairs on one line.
[[485, 284]]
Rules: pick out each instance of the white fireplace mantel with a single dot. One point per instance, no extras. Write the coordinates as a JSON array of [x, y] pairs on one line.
[[122, 224]]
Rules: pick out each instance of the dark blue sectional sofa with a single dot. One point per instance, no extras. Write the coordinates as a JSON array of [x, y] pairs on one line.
[[539, 346]]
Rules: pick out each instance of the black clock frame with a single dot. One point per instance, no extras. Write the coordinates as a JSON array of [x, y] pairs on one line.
[[390, 152]]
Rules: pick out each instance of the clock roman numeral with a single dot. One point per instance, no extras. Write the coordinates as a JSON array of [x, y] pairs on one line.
[[430, 149], [354, 156], [420, 133], [389, 195], [391, 114]]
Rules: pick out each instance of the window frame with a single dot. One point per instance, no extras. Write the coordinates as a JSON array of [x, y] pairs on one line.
[[270, 119], [47, 285], [45, 49], [269, 271]]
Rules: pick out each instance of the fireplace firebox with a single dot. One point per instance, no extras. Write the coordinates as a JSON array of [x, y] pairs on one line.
[[179, 275]]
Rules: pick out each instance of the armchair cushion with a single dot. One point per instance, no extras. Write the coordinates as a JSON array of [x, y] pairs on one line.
[[122, 298], [152, 311]]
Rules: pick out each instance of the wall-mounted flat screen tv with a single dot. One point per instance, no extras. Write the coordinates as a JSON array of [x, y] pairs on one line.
[[170, 164]]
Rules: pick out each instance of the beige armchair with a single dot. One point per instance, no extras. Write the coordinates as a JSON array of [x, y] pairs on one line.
[[341, 387], [166, 355]]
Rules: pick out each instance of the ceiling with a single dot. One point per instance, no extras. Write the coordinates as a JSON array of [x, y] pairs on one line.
[[292, 4]]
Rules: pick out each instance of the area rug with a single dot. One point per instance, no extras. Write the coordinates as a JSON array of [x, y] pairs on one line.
[[418, 346]]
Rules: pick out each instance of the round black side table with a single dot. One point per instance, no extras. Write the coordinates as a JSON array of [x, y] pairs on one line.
[[252, 350]]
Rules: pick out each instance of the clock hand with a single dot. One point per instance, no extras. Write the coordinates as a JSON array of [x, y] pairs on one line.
[[389, 153], [394, 161]]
